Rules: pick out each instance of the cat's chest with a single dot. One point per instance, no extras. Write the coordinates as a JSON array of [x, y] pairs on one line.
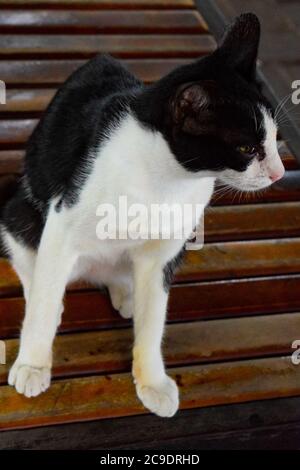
[[133, 177]]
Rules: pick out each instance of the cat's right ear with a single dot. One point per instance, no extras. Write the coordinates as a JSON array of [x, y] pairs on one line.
[[239, 46], [187, 106]]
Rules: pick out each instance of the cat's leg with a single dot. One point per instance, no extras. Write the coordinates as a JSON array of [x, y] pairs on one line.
[[121, 299], [31, 371], [22, 259], [155, 388], [120, 288], [118, 278]]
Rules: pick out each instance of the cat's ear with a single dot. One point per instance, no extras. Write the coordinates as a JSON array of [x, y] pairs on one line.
[[188, 104], [240, 45]]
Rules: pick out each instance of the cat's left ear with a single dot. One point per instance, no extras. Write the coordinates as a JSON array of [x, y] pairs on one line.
[[189, 106], [240, 45]]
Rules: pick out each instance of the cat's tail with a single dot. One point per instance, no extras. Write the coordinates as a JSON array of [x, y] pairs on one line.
[[8, 187]]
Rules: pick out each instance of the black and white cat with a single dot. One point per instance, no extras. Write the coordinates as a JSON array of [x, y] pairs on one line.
[[105, 134]]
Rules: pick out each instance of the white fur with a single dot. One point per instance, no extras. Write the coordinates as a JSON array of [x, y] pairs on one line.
[[139, 164]]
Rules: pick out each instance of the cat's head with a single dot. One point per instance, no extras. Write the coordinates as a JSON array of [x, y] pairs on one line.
[[216, 118]]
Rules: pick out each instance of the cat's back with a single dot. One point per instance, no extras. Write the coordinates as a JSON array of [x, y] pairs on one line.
[[78, 117]]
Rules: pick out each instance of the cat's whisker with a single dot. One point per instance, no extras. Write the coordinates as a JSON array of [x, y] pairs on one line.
[[291, 117], [221, 192], [281, 104], [255, 119], [191, 160]]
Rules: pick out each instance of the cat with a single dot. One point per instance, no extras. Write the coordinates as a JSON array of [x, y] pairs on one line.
[[106, 134]]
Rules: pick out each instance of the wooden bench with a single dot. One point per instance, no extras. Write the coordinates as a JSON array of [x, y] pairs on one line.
[[234, 309]]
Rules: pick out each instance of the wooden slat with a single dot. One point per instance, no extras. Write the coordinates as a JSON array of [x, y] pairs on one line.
[[250, 221], [114, 395], [37, 72], [235, 297], [233, 260], [16, 131], [11, 161], [230, 260], [27, 100], [92, 309], [70, 21], [118, 45], [104, 4], [187, 343]]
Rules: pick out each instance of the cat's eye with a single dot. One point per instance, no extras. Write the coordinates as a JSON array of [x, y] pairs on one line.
[[249, 150]]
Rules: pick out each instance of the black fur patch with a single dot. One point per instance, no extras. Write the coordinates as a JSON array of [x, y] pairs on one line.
[[79, 118], [170, 269], [22, 220]]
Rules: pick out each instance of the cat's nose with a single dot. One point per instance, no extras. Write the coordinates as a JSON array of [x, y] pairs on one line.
[[277, 175]]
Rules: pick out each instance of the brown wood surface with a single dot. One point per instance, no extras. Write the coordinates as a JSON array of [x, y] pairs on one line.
[[74, 21], [117, 45], [233, 260], [46, 71], [88, 309], [251, 221], [16, 131], [11, 161], [27, 100], [99, 397], [185, 344]]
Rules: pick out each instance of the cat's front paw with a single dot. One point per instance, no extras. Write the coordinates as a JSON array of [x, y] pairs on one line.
[[161, 399], [28, 380]]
